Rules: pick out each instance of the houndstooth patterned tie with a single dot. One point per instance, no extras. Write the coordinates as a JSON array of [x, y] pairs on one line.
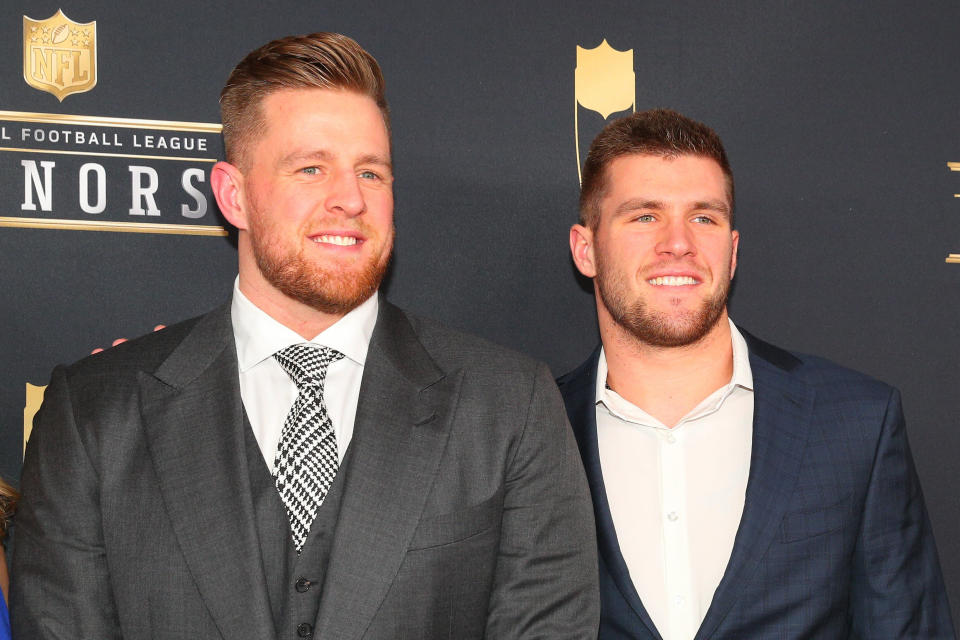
[[306, 460]]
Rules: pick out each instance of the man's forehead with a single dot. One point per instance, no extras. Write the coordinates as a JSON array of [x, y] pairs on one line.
[[686, 162], [320, 123], [699, 177], [310, 101]]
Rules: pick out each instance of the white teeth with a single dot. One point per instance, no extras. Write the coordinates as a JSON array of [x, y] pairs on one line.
[[343, 241], [671, 281]]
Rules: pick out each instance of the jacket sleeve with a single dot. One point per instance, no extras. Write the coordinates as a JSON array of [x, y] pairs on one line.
[[545, 584], [897, 589], [60, 584]]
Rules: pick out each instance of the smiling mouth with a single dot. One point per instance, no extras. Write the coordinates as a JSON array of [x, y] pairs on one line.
[[672, 281], [342, 241]]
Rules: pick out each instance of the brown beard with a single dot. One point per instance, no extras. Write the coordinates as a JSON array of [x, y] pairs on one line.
[[328, 290], [652, 327]]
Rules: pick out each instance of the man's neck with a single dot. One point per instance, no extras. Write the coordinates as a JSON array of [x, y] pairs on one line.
[[667, 382], [303, 319]]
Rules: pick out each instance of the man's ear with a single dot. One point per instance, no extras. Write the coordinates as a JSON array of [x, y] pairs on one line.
[[581, 248], [735, 235], [227, 184]]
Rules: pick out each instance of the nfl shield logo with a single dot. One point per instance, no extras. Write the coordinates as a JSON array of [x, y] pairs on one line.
[[604, 79], [59, 55], [604, 82]]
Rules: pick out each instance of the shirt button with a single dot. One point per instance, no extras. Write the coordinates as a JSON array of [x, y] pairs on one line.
[[302, 585], [304, 630], [672, 516], [679, 601], [671, 439]]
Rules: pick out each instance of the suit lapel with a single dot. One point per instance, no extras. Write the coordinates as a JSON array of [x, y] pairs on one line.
[[405, 407], [782, 409], [579, 394], [193, 418]]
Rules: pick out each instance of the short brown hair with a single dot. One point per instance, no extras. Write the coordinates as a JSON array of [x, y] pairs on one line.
[[657, 132], [314, 61]]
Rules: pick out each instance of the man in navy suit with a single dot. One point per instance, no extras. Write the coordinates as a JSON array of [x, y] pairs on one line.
[[740, 491]]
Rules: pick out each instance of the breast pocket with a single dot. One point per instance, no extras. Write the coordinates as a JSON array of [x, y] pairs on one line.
[[807, 523], [455, 526]]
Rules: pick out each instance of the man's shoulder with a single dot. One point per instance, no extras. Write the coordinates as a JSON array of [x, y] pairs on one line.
[[826, 377], [823, 375], [581, 377], [454, 349], [144, 353]]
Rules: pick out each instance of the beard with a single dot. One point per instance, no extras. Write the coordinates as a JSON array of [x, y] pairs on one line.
[[655, 327], [329, 289]]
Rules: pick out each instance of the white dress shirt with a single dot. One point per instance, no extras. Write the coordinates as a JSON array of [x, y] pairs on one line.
[[676, 494], [267, 391]]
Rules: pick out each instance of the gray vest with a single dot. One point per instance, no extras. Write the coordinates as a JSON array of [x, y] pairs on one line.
[[294, 583]]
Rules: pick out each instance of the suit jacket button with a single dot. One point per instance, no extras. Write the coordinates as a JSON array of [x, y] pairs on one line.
[[304, 630], [302, 585]]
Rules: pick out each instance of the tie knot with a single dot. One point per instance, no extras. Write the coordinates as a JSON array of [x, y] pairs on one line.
[[306, 364]]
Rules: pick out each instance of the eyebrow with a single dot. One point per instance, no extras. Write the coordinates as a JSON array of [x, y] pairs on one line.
[[719, 206], [637, 203], [373, 158], [326, 156], [634, 204]]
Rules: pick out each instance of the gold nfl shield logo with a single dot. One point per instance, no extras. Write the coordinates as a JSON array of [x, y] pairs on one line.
[[59, 55], [604, 82]]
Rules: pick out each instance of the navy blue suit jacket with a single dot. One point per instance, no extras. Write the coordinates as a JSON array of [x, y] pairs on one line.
[[834, 541]]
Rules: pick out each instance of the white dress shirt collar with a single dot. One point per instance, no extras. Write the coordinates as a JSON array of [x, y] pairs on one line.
[[259, 336], [742, 377]]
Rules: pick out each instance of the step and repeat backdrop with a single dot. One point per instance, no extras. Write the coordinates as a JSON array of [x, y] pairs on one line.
[[842, 124]]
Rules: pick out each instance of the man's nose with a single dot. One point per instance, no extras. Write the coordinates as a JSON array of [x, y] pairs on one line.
[[676, 238], [345, 194]]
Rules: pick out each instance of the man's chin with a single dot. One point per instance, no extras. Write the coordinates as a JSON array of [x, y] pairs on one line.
[[671, 337], [334, 291], [661, 330], [330, 296]]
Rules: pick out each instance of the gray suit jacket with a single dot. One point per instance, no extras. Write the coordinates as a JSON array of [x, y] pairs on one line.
[[465, 511]]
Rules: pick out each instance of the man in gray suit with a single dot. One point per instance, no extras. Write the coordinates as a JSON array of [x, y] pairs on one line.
[[307, 460]]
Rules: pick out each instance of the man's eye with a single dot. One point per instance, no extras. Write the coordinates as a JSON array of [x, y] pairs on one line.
[[369, 175], [310, 171], [703, 220], [646, 217]]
